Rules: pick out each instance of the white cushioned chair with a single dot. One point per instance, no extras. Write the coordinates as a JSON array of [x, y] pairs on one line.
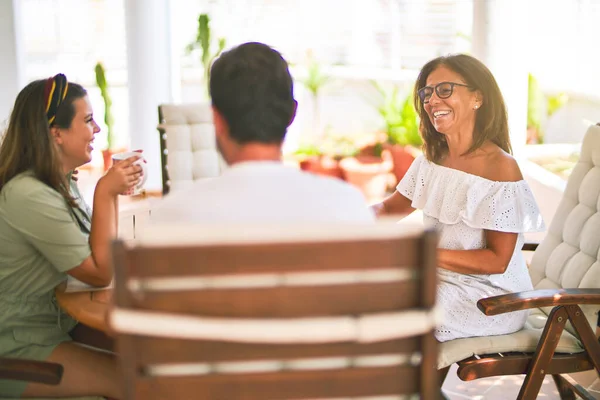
[[565, 271], [188, 145]]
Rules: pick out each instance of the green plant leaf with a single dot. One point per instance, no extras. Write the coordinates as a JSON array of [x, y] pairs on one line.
[[535, 101], [400, 119], [315, 79], [554, 103]]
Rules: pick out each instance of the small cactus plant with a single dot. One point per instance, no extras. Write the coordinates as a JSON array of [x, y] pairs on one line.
[[203, 42], [108, 117]]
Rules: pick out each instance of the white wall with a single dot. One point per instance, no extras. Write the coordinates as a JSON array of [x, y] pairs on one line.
[[11, 79]]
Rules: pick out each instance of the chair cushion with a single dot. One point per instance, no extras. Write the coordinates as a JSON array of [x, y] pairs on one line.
[[525, 340], [568, 255], [190, 143]]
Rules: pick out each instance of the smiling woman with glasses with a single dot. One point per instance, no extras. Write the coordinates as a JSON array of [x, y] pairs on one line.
[[470, 189]]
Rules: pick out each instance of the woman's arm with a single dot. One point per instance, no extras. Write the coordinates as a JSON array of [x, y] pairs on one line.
[[96, 269], [394, 204], [493, 259]]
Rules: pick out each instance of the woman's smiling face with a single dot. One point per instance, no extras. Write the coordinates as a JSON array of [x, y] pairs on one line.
[[76, 141], [457, 112]]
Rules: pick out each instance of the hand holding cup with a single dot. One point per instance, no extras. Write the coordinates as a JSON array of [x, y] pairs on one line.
[[127, 174]]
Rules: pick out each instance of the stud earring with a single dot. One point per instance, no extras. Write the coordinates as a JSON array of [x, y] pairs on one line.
[[475, 107]]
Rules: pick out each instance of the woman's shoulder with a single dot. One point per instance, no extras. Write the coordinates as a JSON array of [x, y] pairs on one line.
[[26, 186], [499, 166]]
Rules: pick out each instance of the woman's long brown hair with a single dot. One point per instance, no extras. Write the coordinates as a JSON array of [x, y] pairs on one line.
[[28, 144], [491, 121]]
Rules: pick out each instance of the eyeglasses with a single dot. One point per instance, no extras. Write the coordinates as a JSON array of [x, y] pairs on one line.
[[442, 89]]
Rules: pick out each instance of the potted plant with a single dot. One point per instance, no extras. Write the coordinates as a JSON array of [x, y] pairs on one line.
[[323, 157], [369, 170], [108, 117], [203, 42], [401, 128], [314, 82]]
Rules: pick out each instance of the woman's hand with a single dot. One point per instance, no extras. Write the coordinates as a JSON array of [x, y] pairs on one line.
[[396, 204], [121, 176]]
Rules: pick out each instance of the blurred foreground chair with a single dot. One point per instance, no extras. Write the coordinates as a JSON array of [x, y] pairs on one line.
[[187, 143], [30, 371], [565, 270], [277, 312]]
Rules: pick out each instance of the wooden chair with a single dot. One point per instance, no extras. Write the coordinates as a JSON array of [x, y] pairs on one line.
[[31, 371], [289, 313], [565, 270]]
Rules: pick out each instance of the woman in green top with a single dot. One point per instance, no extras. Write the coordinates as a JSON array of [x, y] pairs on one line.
[[48, 232]]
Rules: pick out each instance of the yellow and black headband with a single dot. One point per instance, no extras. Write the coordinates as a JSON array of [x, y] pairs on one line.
[[55, 92]]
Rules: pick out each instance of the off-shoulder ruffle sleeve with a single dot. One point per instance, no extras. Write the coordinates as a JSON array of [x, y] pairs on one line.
[[452, 196]]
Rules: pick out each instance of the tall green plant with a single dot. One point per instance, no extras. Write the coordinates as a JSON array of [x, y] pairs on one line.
[[401, 122], [108, 117], [314, 82], [535, 104], [539, 108], [555, 102], [203, 42]]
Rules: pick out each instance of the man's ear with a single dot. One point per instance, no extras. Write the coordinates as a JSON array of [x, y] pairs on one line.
[[293, 113], [219, 122]]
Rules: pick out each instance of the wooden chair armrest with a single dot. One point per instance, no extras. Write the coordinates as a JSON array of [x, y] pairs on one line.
[[31, 371], [537, 298], [530, 246]]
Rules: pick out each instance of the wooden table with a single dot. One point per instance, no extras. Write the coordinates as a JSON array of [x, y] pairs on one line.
[[89, 308]]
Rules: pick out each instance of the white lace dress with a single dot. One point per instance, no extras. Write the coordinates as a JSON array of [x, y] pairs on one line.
[[460, 206]]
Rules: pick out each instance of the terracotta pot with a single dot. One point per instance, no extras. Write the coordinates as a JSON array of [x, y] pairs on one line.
[[322, 165], [402, 158], [368, 173], [107, 157]]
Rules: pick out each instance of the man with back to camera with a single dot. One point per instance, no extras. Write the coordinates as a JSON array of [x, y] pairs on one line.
[[253, 104]]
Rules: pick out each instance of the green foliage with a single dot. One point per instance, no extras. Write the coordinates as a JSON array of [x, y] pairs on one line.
[[315, 79], [535, 103], [335, 146], [540, 106], [204, 43], [203, 38], [314, 82], [108, 117], [555, 102], [308, 150], [399, 116]]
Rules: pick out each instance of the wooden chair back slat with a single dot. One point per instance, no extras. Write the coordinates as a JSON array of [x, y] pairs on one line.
[[344, 383], [264, 258], [167, 350], [285, 302]]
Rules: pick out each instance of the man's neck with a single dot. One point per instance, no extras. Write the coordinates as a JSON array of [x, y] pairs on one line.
[[257, 152]]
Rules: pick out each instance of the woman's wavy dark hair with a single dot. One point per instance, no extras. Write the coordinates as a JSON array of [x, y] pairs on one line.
[[491, 121], [28, 144]]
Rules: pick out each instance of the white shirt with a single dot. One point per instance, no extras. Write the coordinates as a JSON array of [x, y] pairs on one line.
[[264, 192]]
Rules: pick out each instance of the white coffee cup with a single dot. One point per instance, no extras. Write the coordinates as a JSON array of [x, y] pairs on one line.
[[137, 189]]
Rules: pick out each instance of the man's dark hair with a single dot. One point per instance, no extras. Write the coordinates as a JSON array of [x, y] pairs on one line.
[[251, 87]]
